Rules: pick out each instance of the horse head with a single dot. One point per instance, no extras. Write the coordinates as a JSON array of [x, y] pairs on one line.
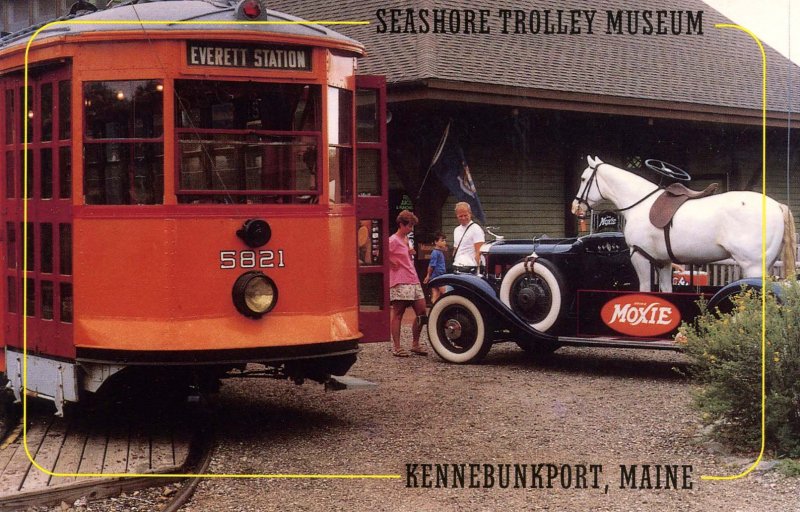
[[588, 193]]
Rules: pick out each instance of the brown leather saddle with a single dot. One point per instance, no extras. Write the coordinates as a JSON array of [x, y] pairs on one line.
[[667, 204], [671, 199]]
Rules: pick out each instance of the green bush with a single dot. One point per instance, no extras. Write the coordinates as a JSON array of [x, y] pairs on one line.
[[726, 358]]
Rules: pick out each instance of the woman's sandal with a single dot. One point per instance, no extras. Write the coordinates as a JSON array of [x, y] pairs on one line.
[[400, 353], [419, 351]]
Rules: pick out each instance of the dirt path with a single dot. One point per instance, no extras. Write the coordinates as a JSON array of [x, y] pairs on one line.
[[582, 408]]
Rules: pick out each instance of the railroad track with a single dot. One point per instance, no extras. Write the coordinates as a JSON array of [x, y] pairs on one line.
[[86, 445]]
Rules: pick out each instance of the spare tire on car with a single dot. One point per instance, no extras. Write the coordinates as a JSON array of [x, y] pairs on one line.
[[535, 293]]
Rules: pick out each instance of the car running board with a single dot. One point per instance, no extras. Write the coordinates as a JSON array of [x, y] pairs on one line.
[[599, 341]]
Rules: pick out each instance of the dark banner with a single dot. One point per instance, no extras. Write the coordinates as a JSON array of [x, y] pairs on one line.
[[637, 315], [228, 55]]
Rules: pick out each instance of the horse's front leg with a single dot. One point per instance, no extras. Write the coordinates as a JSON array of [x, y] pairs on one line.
[[643, 271], [665, 278]]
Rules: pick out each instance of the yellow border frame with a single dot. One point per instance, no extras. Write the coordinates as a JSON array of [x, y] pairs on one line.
[[352, 476], [755, 464]]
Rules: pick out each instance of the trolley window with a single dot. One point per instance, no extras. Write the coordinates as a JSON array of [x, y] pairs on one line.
[[123, 145], [340, 149], [246, 142]]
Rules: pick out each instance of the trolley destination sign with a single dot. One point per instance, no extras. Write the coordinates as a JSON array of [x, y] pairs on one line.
[[248, 56]]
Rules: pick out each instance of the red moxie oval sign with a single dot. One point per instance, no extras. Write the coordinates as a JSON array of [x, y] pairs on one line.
[[640, 315]]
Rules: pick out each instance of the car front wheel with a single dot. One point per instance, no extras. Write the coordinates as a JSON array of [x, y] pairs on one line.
[[457, 330]]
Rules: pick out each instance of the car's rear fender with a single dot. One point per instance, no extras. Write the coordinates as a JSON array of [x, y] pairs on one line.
[[485, 298], [736, 287]]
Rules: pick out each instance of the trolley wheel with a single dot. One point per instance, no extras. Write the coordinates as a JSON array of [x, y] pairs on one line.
[[536, 297], [457, 330]]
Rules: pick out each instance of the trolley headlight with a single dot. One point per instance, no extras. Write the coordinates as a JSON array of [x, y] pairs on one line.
[[254, 294]]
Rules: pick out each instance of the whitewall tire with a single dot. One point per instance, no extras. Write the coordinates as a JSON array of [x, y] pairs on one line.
[[457, 330], [537, 297]]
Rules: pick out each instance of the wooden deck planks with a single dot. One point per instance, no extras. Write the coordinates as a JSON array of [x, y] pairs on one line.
[[162, 452], [116, 460], [85, 444], [94, 453], [139, 451], [69, 458], [8, 448], [46, 456], [17, 469]]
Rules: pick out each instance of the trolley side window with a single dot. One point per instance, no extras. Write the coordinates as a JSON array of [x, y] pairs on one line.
[[340, 148], [247, 142], [124, 142]]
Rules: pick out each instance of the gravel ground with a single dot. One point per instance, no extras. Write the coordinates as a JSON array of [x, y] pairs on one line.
[[582, 407]]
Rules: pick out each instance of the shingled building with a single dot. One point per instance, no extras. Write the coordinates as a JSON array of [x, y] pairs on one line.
[[529, 106]]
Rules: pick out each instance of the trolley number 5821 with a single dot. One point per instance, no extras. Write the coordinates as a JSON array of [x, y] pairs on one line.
[[251, 259]]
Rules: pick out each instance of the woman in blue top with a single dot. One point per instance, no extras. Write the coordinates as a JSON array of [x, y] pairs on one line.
[[437, 267]]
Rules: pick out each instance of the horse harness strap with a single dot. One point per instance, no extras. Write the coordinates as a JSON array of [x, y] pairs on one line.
[[671, 255], [665, 206], [653, 265]]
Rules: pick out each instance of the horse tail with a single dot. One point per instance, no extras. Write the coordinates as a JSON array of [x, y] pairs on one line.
[[789, 242]]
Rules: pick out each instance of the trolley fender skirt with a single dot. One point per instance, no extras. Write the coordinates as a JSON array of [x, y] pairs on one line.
[[486, 299]]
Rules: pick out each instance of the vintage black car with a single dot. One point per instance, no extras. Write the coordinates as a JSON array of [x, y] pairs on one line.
[[545, 293]]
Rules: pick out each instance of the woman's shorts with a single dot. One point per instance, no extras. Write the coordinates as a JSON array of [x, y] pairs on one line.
[[409, 292]]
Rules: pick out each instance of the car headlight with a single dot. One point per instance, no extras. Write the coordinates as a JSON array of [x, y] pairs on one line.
[[254, 294]]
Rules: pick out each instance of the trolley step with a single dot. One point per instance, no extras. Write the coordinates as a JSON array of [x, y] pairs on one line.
[[342, 382]]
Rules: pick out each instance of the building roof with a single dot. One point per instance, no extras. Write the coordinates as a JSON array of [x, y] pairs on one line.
[[718, 71]]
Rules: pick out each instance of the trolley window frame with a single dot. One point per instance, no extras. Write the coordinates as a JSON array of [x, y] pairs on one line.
[[126, 146], [253, 136]]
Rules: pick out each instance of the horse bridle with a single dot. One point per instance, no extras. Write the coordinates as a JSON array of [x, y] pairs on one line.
[[584, 196]]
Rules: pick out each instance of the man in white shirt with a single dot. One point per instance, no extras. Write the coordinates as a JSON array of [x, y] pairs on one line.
[[468, 238]]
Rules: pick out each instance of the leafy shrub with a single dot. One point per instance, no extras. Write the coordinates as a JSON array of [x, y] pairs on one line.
[[789, 467], [726, 358]]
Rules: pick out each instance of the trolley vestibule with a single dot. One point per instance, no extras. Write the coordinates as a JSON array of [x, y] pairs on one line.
[[194, 194]]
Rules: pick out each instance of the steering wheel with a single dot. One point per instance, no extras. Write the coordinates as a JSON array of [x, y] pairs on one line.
[[666, 169]]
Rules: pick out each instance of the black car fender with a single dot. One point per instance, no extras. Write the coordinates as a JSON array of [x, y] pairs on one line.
[[722, 299], [486, 300]]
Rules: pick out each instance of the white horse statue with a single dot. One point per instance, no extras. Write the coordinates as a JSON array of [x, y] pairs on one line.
[[702, 230]]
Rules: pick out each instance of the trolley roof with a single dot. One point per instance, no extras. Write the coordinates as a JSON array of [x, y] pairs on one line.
[[206, 12]]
